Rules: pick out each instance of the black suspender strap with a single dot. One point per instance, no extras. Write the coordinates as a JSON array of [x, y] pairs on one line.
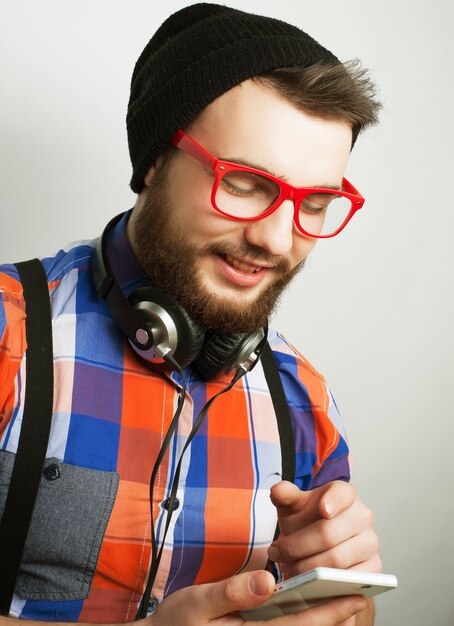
[[284, 421], [35, 430]]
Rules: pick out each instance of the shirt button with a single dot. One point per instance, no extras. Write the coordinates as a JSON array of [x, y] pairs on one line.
[[152, 604], [52, 472], [166, 504]]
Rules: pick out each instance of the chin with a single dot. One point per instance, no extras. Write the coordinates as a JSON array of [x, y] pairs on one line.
[[238, 295]]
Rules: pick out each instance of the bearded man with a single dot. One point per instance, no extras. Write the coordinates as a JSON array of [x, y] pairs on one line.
[[162, 487]]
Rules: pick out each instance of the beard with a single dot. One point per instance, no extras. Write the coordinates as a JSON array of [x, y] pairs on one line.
[[169, 260]]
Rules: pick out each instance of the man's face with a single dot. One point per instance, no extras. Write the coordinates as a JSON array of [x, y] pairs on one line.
[[229, 274]]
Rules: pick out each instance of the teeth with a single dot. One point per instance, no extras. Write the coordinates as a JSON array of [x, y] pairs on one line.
[[240, 265]]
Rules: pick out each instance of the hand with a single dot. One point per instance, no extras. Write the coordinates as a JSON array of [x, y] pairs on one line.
[[214, 604], [326, 527]]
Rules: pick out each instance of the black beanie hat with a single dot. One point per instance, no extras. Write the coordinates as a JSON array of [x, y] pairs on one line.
[[197, 54]]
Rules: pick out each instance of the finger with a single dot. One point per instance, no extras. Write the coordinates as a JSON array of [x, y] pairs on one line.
[[336, 611], [287, 495], [244, 591], [326, 614], [295, 508], [322, 535], [338, 497], [374, 564], [197, 605], [362, 549]]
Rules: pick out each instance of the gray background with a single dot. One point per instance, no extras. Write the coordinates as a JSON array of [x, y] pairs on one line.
[[373, 310]]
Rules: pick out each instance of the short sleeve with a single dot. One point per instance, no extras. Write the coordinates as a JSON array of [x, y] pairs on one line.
[[336, 464], [321, 448]]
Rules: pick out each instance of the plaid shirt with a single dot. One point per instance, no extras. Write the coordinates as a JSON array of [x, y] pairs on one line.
[[110, 416]]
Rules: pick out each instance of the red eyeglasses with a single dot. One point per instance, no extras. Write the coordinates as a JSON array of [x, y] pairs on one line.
[[245, 193]]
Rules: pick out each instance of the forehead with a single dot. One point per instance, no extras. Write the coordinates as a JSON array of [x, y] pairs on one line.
[[253, 123]]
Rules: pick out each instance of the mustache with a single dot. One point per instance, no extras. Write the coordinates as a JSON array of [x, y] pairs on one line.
[[251, 252]]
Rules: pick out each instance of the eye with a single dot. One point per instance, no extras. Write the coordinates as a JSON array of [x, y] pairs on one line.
[[317, 203], [246, 184]]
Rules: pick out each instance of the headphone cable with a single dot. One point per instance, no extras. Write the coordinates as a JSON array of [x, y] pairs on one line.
[[155, 554]]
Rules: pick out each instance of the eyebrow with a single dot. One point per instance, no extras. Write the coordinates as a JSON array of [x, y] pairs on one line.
[[256, 166], [333, 187]]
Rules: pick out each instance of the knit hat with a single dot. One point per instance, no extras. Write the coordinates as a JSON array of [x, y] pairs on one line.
[[196, 55]]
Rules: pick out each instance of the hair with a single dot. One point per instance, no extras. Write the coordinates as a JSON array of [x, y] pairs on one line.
[[341, 91]]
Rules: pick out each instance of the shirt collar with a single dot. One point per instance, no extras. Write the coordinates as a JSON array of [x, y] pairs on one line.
[[123, 262]]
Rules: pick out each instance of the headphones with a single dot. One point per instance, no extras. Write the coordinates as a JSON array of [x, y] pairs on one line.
[[162, 333]]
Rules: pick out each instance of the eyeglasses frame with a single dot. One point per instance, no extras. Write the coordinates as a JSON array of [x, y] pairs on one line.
[[287, 192]]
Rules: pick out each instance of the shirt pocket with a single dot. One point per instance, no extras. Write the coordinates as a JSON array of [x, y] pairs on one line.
[[68, 524]]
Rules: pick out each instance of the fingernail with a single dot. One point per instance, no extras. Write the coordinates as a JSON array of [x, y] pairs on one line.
[[329, 507], [258, 584]]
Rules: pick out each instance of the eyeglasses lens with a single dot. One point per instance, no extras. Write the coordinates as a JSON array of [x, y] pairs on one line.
[[246, 195], [242, 194], [323, 213]]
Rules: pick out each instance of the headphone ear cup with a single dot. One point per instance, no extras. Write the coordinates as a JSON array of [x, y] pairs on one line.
[[218, 353], [172, 326]]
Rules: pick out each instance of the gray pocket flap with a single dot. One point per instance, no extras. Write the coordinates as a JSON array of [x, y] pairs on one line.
[[68, 524]]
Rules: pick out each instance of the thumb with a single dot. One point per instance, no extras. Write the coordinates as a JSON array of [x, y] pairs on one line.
[[213, 600], [244, 591]]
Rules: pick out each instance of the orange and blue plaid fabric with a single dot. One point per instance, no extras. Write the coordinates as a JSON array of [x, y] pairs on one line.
[[111, 414]]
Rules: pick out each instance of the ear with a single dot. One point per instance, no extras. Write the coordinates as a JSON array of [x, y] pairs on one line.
[[149, 176], [148, 180]]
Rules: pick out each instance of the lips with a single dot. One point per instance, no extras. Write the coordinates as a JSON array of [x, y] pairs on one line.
[[237, 272], [241, 265]]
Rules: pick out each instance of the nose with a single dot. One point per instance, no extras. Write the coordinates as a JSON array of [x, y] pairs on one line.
[[274, 233]]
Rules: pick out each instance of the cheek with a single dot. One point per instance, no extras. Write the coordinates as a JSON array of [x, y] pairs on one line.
[[188, 206], [200, 220], [302, 246], [189, 196]]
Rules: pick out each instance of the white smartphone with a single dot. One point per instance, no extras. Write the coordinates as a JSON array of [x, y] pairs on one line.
[[305, 590]]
